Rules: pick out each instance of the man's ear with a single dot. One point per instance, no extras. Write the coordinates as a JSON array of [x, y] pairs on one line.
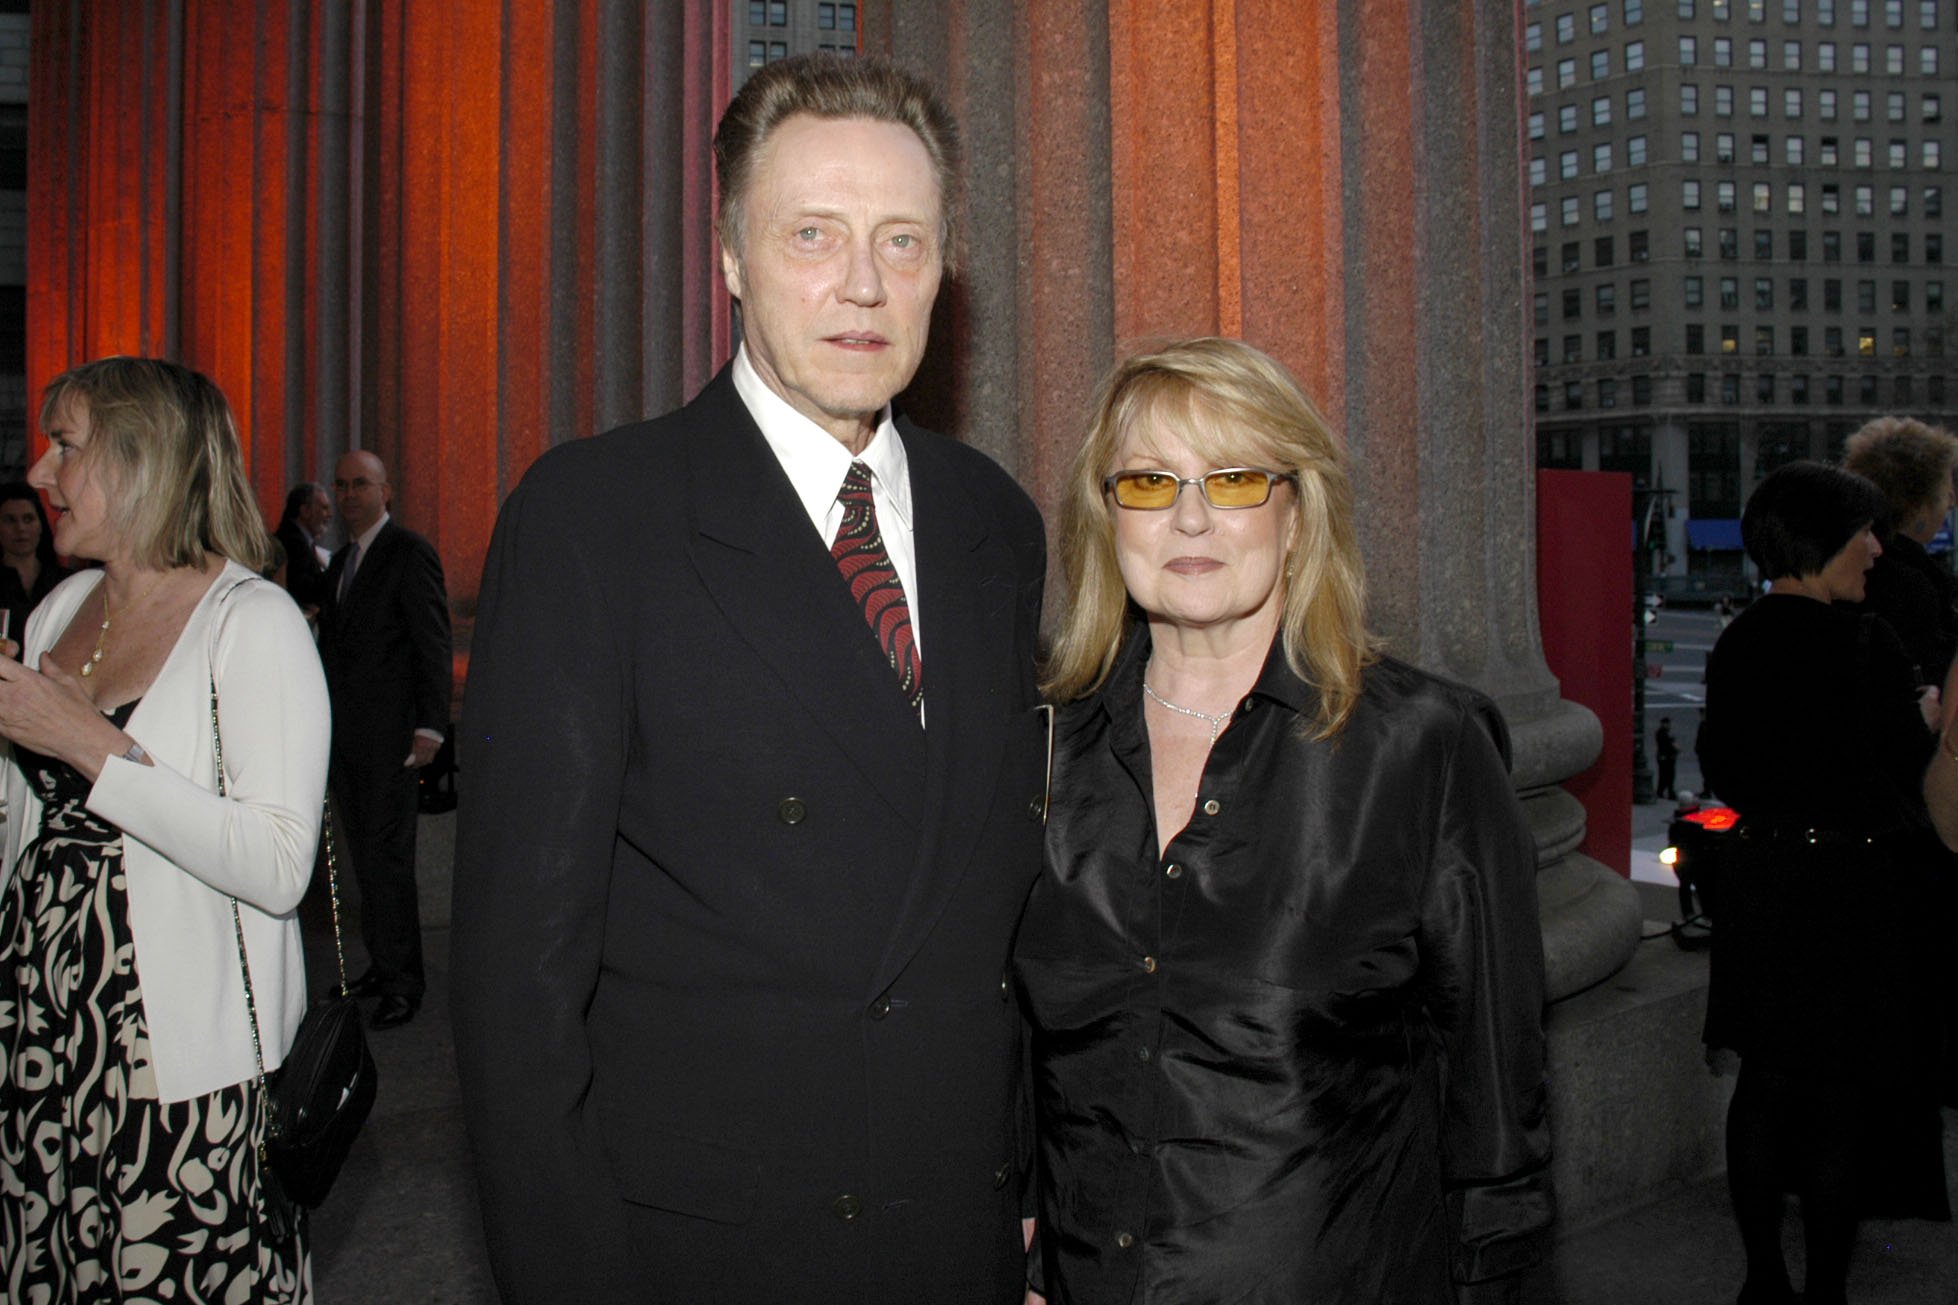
[[731, 271]]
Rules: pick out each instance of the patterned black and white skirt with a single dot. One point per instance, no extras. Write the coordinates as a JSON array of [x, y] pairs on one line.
[[107, 1193]]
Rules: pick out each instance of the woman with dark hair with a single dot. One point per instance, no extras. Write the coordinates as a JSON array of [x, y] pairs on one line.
[[135, 883], [27, 548], [1283, 966], [1812, 732]]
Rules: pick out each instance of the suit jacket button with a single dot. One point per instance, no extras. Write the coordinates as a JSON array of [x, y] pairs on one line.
[[1125, 1240], [792, 811], [880, 1008], [846, 1208], [1001, 1174], [1036, 807]]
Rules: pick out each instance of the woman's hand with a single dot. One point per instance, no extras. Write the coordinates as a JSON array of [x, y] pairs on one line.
[[46, 711]]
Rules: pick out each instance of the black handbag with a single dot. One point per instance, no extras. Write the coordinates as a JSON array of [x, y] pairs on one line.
[[315, 1103]]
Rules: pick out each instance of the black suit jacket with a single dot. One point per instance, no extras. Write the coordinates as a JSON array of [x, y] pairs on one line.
[[386, 648], [730, 928], [305, 577]]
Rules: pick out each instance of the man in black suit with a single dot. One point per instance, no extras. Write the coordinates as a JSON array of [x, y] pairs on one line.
[[306, 516], [384, 639], [756, 782]]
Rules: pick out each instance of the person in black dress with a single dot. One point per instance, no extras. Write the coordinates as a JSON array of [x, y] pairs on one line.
[[27, 548], [1813, 734], [131, 1105], [1283, 965], [1911, 463]]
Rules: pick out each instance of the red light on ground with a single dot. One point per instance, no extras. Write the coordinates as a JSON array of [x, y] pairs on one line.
[[1714, 819]]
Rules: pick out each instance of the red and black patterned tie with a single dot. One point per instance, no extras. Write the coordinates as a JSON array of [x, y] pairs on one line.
[[866, 568]]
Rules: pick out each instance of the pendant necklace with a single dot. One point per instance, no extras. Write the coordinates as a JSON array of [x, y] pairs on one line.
[[1216, 722], [102, 635]]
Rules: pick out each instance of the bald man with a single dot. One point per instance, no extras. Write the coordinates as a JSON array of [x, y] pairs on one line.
[[384, 638]]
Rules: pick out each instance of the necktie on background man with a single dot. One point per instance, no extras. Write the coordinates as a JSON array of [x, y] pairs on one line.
[[347, 569], [866, 567]]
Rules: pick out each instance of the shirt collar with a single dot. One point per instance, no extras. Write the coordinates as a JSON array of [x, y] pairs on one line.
[[1277, 682], [366, 539], [813, 459]]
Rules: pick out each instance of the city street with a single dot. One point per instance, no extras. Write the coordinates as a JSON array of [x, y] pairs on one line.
[[1678, 690]]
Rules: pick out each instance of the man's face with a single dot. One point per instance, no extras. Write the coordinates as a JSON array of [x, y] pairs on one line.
[[360, 483], [314, 516], [837, 266]]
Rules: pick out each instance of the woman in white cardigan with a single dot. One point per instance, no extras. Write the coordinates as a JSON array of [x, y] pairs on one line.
[[129, 1095]]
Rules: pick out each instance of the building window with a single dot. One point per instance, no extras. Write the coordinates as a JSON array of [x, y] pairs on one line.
[[1825, 104], [1607, 393], [1635, 197], [1689, 51], [1607, 347], [1573, 304], [1757, 102], [1763, 197], [1601, 156], [1601, 206], [1798, 341], [1601, 111], [1933, 154], [1696, 387], [1689, 147], [1641, 391], [1866, 342], [1539, 217], [1723, 101], [1832, 246], [1695, 338], [1859, 106], [1566, 28], [1641, 341], [1634, 12], [1723, 52], [1825, 57], [1729, 339], [1900, 246], [1831, 295], [1635, 152], [1798, 294], [1933, 109], [1791, 56], [1893, 60], [1866, 296], [1899, 200], [1567, 209], [1791, 103], [1634, 56], [1831, 199], [1573, 396], [1763, 341], [1832, 389], [1832, 341], [1567, 165], [1934, 246], [1566, 73], [1730, 388], [1532, 41], [1900, 296], [1600, 65], [1542, 354], [1539, 171], [1798, 246], [1797, 197], [1723, 147], [1600, 19], [1536, 126], [1934, 296], [1798, 389], [1723, 196], [1540, 308], [1695, 292], [1764, 388], [1566, 119], [1641, 294], [1607, 299], [1866, 246], [1791, 149], [1635, 103], [1859, 57], [1866, 201], [1927, 60], [1689, 194], [1764, 293], [1573, 348], [1934, 201], [1757, 53], [1689, 99], [1730, 292]]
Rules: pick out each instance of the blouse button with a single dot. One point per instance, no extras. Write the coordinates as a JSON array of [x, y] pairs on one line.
[[1212, 807], [1148, 965], [1174, 871], [1142, 1054], [1125, 1240]]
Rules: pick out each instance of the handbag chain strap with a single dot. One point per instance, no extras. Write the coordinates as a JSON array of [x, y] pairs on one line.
[[238, 924]]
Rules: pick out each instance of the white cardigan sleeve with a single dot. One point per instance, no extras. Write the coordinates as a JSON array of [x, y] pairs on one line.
[[257, 843]]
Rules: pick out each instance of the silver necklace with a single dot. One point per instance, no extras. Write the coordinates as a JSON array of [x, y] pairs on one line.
[[1216, 722]]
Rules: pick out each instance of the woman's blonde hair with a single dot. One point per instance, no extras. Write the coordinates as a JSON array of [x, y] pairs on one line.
[[162, 438], [1233, 406]]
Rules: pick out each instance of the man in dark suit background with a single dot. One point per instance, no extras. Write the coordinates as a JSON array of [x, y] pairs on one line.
[[384, 640], [756, 782], [307, 513]]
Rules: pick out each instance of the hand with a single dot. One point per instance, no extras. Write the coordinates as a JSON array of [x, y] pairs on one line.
[[1723, 1062], [420, 752], [1930, 705], [46, 711]]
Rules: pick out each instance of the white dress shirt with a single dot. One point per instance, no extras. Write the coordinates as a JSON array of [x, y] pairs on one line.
[[817, 462]]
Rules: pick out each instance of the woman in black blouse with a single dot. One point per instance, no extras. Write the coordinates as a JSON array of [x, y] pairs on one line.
[[1813, 734], [27, 549], [1283, 969]]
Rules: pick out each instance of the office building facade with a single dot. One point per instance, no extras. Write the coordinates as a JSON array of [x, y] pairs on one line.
[[1738, 238]]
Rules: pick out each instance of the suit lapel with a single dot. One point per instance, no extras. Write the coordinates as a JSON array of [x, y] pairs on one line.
[[771, 577], [967, 601]]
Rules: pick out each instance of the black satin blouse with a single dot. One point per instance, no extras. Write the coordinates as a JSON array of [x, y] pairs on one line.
[[1299, 1056]]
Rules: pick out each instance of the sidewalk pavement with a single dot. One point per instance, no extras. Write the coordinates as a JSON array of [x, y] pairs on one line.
[[403, 1227]]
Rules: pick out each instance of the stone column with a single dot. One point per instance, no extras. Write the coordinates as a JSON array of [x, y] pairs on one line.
[[1337, 183]]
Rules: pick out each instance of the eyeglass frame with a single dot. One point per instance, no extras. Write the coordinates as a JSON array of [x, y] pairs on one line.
[[1108, 486]]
